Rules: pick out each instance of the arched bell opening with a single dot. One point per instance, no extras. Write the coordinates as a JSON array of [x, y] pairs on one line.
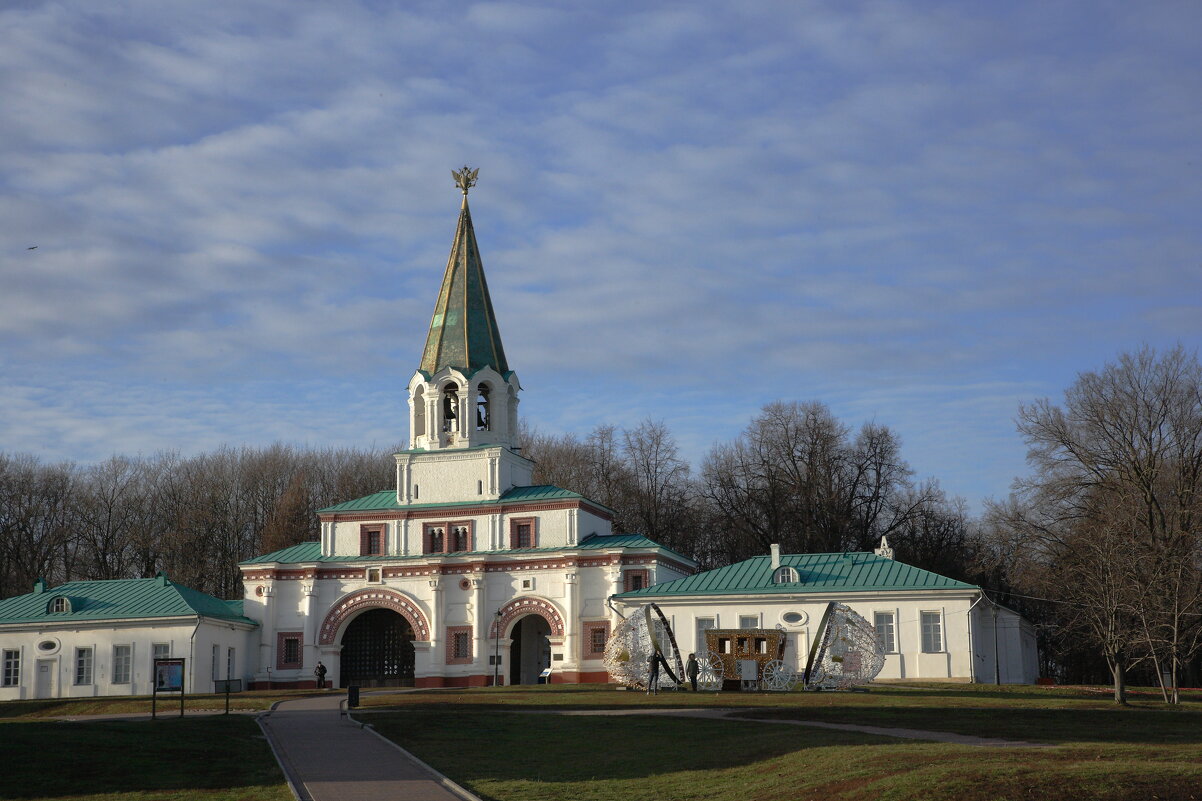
[[450, 409], [530, 651], [377, 651], [483, 409], [419, 415]]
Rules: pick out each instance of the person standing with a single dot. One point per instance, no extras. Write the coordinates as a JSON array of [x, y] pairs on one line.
[[653, 674], [320, 673], [691, 670]]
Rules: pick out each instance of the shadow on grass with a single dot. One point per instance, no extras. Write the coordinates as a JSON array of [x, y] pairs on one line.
[[553, 748], [51, 759]]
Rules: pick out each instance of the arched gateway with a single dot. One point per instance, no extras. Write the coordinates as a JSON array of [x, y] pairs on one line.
[[376, 629]]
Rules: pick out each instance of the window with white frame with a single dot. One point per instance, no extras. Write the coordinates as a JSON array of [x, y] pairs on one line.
[[83, 665], [12, 668], [785, 575], [886, 633], [122, 659], [704, 624], [216, 664], [160, 650], [932, 632], [749, 621], [230, 663]]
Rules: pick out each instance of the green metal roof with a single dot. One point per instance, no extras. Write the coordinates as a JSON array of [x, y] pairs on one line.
[[118, 599], [386, 500], [463, 330], [818, 572], [311, 551]]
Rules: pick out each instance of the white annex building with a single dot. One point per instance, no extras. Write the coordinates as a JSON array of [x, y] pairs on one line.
[[465, 573]]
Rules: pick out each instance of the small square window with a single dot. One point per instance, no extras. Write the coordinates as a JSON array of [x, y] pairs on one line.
[[373, 575], [371, 541], [597, 641]]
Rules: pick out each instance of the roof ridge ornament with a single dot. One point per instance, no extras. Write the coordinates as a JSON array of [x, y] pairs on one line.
[[465, 179]]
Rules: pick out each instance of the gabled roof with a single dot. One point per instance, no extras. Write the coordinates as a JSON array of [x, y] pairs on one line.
[[386, 500], [817, 572], [119, 599], [311, 551], [463, 331]]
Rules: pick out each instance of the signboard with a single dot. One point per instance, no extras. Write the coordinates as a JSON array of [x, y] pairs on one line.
[[168, 678], [168, 675], [227, 686]]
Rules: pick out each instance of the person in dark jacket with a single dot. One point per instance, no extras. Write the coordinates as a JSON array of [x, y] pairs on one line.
[[320, 673], [691, 669]]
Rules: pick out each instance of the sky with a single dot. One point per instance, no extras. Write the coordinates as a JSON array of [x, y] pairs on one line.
[[225, 222]]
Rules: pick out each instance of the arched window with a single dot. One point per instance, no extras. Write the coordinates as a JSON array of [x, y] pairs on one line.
[[419, 413], [59, 605], [483, 411], [785, 575], [435, 539], [450, 408], [461, 538]]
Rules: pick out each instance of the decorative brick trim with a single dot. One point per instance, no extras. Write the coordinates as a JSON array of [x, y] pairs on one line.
[[481, 510], [465, 658], [515, 523], [281, 638], [448, 537], [365, 540], [629, 576], [520, 607], [587, 651], [416, 568], [374, 598]]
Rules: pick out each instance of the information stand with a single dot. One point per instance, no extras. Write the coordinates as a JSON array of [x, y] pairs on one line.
[[227, 686], [168, 678]]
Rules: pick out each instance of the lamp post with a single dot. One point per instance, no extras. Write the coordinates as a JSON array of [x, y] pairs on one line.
[[496, 659]]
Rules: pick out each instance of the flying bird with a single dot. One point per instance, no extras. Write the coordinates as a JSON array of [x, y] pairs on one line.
[[32, 247]]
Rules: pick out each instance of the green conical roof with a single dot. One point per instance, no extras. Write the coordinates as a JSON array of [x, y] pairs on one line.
[[463, 331]]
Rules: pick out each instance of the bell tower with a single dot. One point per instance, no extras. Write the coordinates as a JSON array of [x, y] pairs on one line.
[[463, 394]]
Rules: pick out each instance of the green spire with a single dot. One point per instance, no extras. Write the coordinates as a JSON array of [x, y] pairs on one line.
[[463, 331]]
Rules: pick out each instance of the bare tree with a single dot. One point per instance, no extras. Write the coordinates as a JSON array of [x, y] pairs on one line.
[[1116, 496]]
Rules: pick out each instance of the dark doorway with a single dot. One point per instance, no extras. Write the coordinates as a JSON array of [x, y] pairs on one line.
[[377, 651], [530, 653]]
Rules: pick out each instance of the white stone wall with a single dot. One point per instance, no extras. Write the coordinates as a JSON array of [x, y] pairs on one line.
[[578, 594], [955, 661], [57, 665]]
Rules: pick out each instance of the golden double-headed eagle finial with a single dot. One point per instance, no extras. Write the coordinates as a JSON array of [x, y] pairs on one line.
[[465, 179]]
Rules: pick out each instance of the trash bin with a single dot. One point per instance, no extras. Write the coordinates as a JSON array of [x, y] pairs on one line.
[[352, 697]]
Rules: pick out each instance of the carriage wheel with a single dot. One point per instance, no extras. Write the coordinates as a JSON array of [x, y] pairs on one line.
[[778, 676]]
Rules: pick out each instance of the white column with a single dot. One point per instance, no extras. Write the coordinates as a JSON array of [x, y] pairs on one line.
[[310, 641], [437, 640], [571, 626], [267, 634]]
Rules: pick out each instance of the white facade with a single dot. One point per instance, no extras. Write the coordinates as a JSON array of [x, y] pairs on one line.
[[115, 657], [964, 652]]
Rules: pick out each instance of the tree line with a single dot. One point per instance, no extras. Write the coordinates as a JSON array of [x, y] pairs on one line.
[[1099, 545], [194, 517]]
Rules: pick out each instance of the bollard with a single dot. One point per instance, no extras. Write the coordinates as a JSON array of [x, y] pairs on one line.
[[352, 697]]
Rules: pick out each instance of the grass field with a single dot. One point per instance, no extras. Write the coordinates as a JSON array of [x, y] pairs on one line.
[[491, 741], [70, 707], [506, 744], [214, 758]]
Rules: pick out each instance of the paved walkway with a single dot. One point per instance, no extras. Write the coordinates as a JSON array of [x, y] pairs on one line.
[[328, 757]]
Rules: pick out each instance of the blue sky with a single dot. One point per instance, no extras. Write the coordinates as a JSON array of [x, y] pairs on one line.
[[919, 213]]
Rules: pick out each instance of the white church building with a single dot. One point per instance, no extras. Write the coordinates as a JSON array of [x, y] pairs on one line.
[[465, 573]]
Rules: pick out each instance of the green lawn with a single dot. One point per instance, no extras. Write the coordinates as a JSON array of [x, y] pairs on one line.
[[489, 741], [215, 758], [167, 705]]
